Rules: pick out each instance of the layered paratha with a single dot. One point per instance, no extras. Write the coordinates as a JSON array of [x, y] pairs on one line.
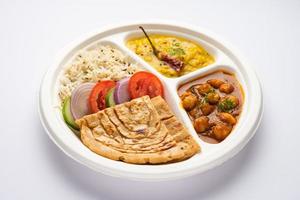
[[142, 131]]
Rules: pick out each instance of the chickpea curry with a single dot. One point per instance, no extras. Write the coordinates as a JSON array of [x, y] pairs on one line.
[[185, 56], [213, 103]]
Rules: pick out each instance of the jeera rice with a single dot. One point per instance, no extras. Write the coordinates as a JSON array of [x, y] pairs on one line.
[[103, 62]]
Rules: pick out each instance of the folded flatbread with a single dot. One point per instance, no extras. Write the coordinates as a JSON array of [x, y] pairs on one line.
[[142, 131]]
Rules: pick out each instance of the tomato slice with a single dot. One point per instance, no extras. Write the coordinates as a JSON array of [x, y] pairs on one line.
[[144, 83], [97, 96]]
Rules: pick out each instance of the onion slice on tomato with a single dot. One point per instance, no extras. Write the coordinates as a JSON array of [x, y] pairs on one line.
[[121, 94], [79, 100]]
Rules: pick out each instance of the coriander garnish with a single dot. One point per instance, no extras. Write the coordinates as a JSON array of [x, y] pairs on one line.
[[226, 105], [176, 52]]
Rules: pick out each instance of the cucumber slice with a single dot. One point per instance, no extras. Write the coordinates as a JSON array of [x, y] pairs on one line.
[[109, 98], [66, 111]]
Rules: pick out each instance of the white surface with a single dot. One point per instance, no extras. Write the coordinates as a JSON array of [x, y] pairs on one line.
[[32, 167]]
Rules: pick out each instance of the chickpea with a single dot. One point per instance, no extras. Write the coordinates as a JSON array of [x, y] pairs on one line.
[[221, 131], [201, 124], [227, 118], [228, 103], [213, 97], [206, 108], [226, 88], [189, 100], [194, 112], [203, 88], [216, 83], [233, 99]]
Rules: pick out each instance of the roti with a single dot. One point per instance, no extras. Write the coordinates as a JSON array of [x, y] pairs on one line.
[[142, 131]]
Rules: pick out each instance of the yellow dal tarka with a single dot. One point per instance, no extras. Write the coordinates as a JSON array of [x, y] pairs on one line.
[[191, 54]]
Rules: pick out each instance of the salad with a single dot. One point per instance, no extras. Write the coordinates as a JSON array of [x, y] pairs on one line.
[[88, 98]]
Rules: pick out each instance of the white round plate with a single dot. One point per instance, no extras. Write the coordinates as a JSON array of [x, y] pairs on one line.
[[211, 155]]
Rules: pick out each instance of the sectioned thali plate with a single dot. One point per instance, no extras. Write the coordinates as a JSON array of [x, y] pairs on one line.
[[211, 155]]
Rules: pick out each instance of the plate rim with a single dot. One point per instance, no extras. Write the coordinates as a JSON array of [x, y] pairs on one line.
[[151, 176]]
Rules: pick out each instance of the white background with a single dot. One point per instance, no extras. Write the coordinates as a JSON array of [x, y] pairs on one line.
[[32, 32]]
